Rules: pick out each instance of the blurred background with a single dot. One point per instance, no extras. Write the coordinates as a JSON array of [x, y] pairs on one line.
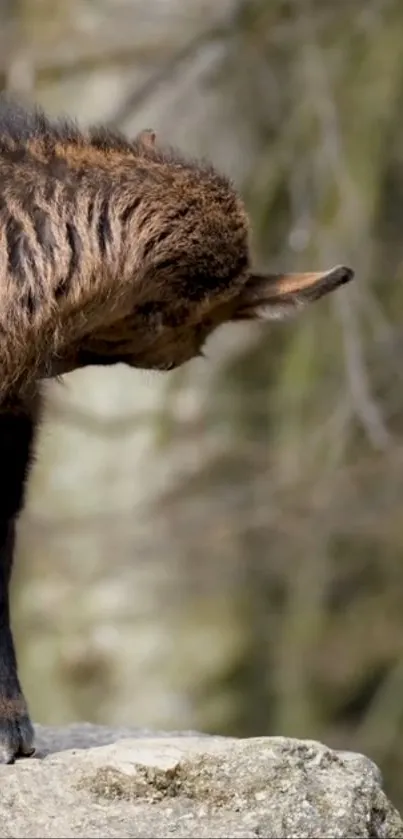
[[221, 548]]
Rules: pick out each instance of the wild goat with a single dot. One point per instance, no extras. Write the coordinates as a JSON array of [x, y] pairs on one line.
[[111, 250]]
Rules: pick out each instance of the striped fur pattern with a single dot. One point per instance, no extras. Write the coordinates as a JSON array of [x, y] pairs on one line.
[[110, 250]]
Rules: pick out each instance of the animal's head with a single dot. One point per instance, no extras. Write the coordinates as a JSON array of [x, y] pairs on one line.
[[191, 271], [154, 337]]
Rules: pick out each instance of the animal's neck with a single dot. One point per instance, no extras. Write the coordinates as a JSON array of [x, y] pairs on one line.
[[76, 266], [75, 285]]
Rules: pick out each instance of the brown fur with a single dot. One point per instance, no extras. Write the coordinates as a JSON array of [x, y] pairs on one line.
[[110, 251]]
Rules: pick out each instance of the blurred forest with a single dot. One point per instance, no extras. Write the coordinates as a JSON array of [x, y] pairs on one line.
[[221, 548]]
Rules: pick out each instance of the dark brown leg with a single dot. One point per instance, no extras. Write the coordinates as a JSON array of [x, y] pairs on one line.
[[16, 439]]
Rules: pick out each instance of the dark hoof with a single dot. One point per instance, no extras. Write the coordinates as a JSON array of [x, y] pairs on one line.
[[16, 730]]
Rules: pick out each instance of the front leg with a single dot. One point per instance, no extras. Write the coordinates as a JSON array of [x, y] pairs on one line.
[[16, 732], [16, 438]]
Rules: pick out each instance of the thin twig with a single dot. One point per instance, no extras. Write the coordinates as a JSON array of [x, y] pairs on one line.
[[189, 50]]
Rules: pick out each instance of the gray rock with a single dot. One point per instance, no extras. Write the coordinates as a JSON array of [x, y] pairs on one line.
[[91, 781]]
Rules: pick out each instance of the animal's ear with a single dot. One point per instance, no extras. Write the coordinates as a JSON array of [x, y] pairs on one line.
[[147, 138], [270, 296]]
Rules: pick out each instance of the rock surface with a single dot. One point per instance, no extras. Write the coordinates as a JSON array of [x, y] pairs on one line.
[[91, 781]]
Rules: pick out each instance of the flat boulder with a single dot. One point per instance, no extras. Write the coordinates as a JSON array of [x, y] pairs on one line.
[[92, 781]]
